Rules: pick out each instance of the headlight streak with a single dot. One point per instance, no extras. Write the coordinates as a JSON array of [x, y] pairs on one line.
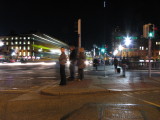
[[19, 63]]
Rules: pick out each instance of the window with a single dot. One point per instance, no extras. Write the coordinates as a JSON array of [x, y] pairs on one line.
[[28, 47], [24, 53], [16, 42], [20, 42], [24, 42], [24, 48], [6, 43], [28, 42], [28, 53], [20, 47]]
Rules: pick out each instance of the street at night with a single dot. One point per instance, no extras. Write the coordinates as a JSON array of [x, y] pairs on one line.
[[79, 60], [21, 97]]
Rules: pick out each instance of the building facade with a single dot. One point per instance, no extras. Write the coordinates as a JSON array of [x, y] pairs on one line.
[[31, 46]]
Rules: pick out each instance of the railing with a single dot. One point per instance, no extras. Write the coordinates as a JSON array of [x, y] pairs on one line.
[[144, 65]]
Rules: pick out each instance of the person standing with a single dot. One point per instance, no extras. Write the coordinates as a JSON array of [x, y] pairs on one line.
[[62, 62], [81, 64], [73, 60], [124, 64], [115, 62]]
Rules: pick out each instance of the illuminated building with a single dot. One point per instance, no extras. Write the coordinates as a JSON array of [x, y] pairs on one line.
[[31, 46]]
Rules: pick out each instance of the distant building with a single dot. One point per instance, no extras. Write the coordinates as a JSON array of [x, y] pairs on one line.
[[31, 46]]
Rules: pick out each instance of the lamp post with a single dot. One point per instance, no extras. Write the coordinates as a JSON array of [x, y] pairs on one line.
[[127, 41]]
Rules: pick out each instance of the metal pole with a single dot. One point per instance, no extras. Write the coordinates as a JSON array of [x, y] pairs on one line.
[[79, 33], [149, 56]]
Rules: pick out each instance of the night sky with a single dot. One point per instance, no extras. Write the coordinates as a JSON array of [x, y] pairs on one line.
[[58, 18]]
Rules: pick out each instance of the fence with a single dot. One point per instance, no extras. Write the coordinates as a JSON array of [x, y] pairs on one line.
[[144, 65]]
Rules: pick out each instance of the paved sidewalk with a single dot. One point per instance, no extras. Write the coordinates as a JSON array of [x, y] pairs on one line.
[[109, 82]]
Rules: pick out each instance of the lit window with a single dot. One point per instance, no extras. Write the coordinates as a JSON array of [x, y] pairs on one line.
[[28, 37], [28, 53], [28, 47], [24, 42], [16, 38], [24, 38], [11, 43], [24, 53], [20, 38], [146, 48], [24, 48], [28, 42], [142, 48], [19, 42], [16, 42], [20, 53], [6, 38], [20, 47], [11, 38], [12, 47], [6, 43]]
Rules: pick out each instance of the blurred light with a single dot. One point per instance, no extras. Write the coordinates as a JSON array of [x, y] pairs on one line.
[[26, 64], [120, 47], [127, 41], [1, 43], [115, 52]]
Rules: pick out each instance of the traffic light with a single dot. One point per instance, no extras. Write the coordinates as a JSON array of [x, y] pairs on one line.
[[102, 50], [151, 31]]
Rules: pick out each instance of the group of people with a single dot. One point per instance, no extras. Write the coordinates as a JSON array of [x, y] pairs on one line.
[[76, 59], [123, 64]]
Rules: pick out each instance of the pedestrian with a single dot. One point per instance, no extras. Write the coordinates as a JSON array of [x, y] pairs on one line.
[[62, 62], [124, 65], [95, 63], [81, 64], [115, 62], [73, 61]]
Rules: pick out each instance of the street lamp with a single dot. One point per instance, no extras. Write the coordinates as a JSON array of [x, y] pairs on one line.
[[1, 43], [127, 41]]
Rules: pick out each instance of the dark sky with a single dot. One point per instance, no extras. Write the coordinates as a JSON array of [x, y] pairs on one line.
[[58, 18]]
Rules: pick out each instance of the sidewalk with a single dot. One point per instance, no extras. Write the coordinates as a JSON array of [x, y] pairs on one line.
[[108, 82]]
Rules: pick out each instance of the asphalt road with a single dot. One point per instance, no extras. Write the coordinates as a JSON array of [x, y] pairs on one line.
[[138, 105]]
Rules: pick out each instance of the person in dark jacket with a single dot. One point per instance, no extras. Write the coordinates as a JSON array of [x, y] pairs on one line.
[[62, 62], [81, 64], [124, 64], [73, 61], [115, 62]]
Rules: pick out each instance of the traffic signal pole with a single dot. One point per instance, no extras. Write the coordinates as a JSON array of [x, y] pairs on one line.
[[149, 56]]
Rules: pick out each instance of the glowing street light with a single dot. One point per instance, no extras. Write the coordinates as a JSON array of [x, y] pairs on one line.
[[127, 41], [1, 43], [120, 47]]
